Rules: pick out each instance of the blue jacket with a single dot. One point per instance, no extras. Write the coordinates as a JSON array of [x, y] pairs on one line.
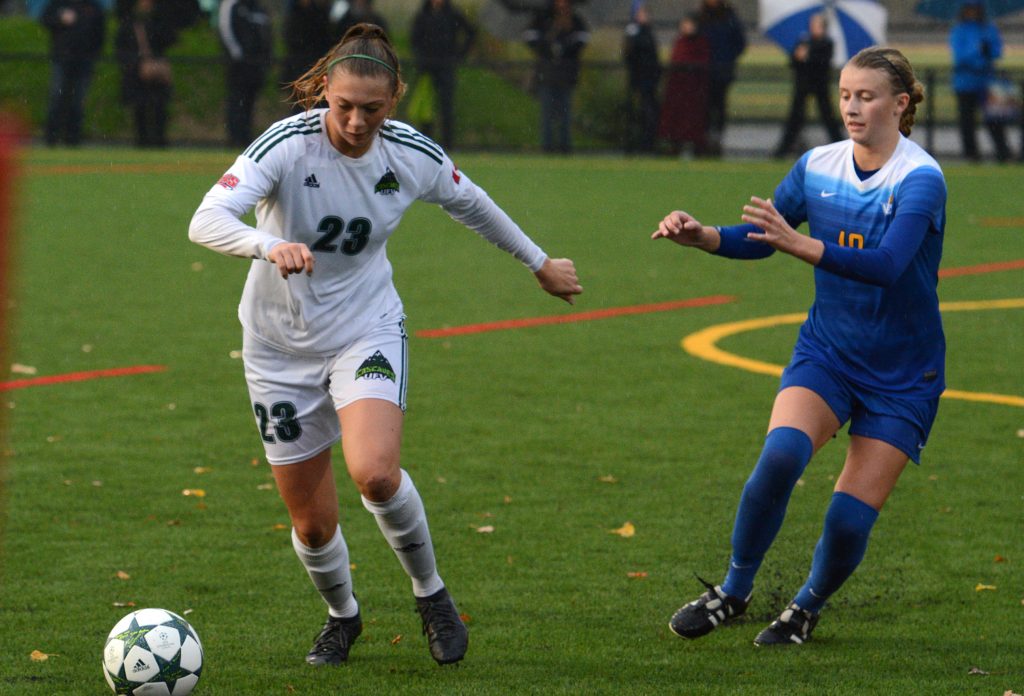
[[975, 47]]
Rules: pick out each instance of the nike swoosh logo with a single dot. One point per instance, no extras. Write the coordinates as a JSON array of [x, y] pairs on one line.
[[827, 194]]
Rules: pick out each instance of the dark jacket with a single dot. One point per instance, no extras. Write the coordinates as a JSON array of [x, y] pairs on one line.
[[441, 38], [160, 35], [558, 50], [82, 39], [816, 69], [308, 35], [640, 51], [244, 28], [726, 37]]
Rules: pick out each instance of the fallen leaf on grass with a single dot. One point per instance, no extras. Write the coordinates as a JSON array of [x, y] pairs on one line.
[[397, 639], [265, 487], [202, 470], [508, 500], [121, 575], [194, 492], [280, 526], [607, 478], [638, 574], [486, 529], [627, 530], [999, 559], [466, 618], [981, 588], [977, 671], [40, 656]]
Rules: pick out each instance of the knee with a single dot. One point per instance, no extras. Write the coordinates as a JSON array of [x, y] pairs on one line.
[[783, 460], [379, 486], [314, 533]]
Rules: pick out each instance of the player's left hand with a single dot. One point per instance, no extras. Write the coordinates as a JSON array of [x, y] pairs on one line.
[[558, 277], [778, 233]]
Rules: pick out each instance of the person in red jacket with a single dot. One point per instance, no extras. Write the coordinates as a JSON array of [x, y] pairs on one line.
[[684, 109]]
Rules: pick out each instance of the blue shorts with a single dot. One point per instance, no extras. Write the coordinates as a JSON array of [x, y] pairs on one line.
[[903, 423]]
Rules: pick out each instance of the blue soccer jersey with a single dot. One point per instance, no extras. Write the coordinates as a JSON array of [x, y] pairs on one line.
[[885, 335]]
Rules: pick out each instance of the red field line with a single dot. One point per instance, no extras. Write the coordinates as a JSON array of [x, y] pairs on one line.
[[571, 318], [982, 268], [80, 376]]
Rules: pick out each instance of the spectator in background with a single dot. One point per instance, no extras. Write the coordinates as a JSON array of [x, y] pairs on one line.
[[976, 46], [684, 110], [441, 38], [143, 37], [557, 35], [640, 51], [359, 11], [719, 22], [308, 34], [244, 28], [811, 62], [77, 29]]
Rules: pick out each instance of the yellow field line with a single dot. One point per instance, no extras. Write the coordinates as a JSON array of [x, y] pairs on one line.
[[703, 344]]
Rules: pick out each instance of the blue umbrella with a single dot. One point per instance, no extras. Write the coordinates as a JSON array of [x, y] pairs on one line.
[[37, 7], [948, 9], [852, 24]]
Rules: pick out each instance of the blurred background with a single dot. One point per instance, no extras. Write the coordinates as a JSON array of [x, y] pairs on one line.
[[496, 103]]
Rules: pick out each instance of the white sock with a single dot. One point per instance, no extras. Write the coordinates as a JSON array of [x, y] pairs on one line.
[[329, 570], [403, 522]]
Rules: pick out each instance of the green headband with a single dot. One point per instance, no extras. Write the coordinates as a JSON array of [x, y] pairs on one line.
[[364, 57]]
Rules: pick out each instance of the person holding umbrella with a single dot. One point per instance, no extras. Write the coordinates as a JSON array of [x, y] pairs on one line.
[[811, 61], [872, 351]]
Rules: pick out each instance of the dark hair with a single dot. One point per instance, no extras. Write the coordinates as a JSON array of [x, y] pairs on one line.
[[365, 50], [900, 75]]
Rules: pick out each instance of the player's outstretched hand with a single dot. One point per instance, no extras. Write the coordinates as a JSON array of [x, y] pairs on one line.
[[291, 257], [558, 277], [778, 233], [682, 228]]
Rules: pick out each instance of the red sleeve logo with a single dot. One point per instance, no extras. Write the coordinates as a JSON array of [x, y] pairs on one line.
[[229, 181], [456, 177]]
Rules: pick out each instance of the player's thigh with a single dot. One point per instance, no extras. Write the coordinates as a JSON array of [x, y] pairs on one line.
[[805, 410], [871, 470], [371, 440]]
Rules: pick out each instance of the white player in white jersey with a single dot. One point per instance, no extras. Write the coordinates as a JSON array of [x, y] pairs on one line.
[[324, 345]]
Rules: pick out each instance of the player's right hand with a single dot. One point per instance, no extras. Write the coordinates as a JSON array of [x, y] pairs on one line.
[[291, 257], [681, 228]]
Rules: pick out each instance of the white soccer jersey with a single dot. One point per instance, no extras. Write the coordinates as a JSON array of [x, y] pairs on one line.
[[344, 210]]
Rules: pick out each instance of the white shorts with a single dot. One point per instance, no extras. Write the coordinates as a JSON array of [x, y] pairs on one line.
[[296, 398]]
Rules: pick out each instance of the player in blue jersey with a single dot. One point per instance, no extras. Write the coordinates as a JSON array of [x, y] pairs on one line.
[[324, 345], [872, 350]]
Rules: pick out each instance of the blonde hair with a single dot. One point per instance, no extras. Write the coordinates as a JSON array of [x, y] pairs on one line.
[[366, 51], [900, 75]]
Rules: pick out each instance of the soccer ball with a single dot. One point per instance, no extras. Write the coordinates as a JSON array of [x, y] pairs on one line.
[[152, 652]]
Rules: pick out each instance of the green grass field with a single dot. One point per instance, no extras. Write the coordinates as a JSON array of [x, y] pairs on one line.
[[552, 435]]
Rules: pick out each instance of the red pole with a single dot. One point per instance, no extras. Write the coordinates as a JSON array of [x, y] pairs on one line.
[[10, 137]]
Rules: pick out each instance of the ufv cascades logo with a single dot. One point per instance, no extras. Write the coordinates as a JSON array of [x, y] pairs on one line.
[[376, 367], [388, 184]]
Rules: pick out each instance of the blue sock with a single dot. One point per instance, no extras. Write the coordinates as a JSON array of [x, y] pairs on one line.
[[763, 505], [839, 551]]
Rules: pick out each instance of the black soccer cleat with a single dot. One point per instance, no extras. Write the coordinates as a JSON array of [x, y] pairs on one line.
[[707, 612], [446, 634], [335, 640], [793, 627]]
